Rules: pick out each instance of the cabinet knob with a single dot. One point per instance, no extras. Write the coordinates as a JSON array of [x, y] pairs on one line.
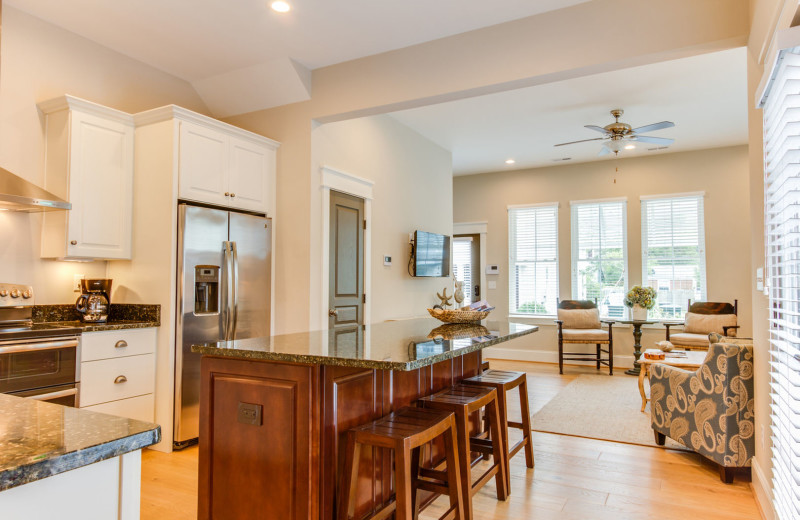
[[120, 379], [121, 344], [73, 242], [233, 194], [227, 194]]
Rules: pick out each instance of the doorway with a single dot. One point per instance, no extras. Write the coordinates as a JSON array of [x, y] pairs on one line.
[[346, 295], [467, 266]]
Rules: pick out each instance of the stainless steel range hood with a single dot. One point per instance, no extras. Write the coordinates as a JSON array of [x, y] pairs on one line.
[[17, 194]]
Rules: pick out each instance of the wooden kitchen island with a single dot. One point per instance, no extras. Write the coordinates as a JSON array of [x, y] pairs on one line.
[[274, 410]]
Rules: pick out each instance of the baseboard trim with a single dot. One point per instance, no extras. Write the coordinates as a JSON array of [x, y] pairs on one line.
[[761, 492], [545, 356]]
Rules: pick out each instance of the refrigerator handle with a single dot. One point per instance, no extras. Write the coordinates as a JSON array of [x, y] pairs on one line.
[[227, 292], [235, 287]]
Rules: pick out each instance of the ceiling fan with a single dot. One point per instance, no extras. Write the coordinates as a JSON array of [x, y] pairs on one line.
[[617, 135]]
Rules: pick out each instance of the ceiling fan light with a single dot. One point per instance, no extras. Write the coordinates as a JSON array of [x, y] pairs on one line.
[[630, 146], [615, 145]]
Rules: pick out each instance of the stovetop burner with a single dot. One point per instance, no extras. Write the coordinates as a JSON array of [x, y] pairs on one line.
[[16, 309]]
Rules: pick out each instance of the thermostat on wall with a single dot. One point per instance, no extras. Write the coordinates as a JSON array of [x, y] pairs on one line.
[[493, 269], [387, 260]]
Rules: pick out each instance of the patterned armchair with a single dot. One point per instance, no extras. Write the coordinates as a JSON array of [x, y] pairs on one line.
[[709, 410]]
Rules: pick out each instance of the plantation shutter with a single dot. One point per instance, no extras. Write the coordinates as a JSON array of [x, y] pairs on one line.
[[599, 255], [462, 265], [782, 237], [674, 252], [533, 259]]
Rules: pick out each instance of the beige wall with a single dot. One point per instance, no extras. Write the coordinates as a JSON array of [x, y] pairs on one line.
[[412, 190], [721, 173], [40, 62], [540, 49]]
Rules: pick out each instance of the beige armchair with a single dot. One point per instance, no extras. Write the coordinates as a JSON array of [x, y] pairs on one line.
[[702, 319], [579, 322]]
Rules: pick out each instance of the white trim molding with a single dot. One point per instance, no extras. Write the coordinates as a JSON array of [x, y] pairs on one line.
[[762, 491], [482, 230], [545, 356], [537, 205], [674, 195], [337, 180], [599, 201]]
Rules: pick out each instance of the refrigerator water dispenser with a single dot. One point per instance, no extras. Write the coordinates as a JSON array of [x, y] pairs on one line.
[[206, 289]]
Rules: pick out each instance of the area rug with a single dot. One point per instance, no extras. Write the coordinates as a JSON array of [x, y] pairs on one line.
[[600, 407]]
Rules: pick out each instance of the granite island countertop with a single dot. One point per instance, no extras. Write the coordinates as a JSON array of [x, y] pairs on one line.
[[395, 345], [38, 439]]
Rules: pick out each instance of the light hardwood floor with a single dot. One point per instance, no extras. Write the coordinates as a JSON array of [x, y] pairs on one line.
[[574, 478]]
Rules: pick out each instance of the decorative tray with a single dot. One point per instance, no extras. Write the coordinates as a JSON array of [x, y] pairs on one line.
[[458, 315]]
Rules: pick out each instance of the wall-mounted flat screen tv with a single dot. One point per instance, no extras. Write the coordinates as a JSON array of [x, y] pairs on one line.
[[431, 254]]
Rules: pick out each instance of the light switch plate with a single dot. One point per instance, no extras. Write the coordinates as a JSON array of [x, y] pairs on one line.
[[492, 284], [76, 282], [760, 279]]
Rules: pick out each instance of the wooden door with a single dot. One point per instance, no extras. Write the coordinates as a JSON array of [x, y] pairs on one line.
[[346, 269], [251, 165], [467, 265], [203, 168]]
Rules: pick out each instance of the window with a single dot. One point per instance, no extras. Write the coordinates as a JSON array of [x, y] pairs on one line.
[[599, 255], [782, 238], [673, 252], [462, 265], [533, 255]]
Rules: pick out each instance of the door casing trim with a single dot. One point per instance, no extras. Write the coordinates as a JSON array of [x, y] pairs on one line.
[[481, 229]]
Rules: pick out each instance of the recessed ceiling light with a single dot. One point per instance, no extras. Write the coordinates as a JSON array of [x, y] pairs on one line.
[[630, 146], [510, 161], [280, 6]]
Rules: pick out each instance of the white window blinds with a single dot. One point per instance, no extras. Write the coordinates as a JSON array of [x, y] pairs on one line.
[[782, 237], [674, 252], [599, 255], [533, 259], [462, 265]]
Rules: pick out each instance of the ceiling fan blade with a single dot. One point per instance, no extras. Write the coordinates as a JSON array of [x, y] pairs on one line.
[[654, 140], [596, 128], [652, 128], [604, 151], [581, 141]]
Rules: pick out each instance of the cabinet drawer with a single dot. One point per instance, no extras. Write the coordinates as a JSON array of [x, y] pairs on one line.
[[140, 408], [135, 376], [110, 344]]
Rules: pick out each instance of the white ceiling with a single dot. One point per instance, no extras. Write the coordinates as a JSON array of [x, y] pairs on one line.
[[705, 96], [214, 44]]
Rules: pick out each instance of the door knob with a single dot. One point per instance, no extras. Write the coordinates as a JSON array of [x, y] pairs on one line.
[[333, 313]]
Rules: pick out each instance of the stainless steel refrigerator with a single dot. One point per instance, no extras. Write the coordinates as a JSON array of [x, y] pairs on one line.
[[223, 293]]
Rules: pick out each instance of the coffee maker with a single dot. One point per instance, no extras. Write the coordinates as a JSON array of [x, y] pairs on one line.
[[95, 301]]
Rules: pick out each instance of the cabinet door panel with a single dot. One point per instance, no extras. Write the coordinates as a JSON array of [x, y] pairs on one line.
[[140, 408], [101, 188], [113, 379], [203, 164], [251, 170]]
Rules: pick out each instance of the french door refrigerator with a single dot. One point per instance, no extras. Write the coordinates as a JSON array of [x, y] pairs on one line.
[[223, 293]]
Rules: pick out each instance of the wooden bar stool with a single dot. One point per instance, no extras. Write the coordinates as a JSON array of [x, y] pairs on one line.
[[503, 381], [464, 400], [405, 431]]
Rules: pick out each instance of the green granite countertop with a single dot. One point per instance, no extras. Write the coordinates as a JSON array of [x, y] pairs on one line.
[[395, 345], [121, 316], [38, 439]]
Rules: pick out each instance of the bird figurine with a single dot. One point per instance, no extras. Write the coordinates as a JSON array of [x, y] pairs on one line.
[[459, 294], [444, 298]]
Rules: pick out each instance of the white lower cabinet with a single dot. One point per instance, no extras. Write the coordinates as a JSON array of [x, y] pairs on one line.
[[118, 373]]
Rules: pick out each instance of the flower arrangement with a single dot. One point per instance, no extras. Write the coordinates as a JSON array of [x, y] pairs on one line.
[[641, 296]]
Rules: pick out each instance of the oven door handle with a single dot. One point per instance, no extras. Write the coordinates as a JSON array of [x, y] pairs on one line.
[[54, 395], [35, 347]]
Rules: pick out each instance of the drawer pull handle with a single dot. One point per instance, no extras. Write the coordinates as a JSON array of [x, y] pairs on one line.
[[121, 344], [120, 379]]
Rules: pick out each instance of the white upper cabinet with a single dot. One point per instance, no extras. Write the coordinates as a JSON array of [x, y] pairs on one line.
[[89, 162], [226, 166]]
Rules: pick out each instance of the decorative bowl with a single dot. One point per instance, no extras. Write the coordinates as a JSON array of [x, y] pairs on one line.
[[457, 315]]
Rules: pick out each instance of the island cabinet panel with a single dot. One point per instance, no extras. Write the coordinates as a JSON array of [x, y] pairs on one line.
[[354, 396], [258, 440]]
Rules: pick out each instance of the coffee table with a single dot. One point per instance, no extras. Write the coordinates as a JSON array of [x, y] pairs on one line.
[[693, 359]]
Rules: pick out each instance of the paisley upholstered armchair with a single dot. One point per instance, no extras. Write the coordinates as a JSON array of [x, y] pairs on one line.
[[709, 410]]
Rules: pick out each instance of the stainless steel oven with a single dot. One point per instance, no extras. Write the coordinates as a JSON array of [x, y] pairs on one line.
[[43, 369], [39, 361]]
